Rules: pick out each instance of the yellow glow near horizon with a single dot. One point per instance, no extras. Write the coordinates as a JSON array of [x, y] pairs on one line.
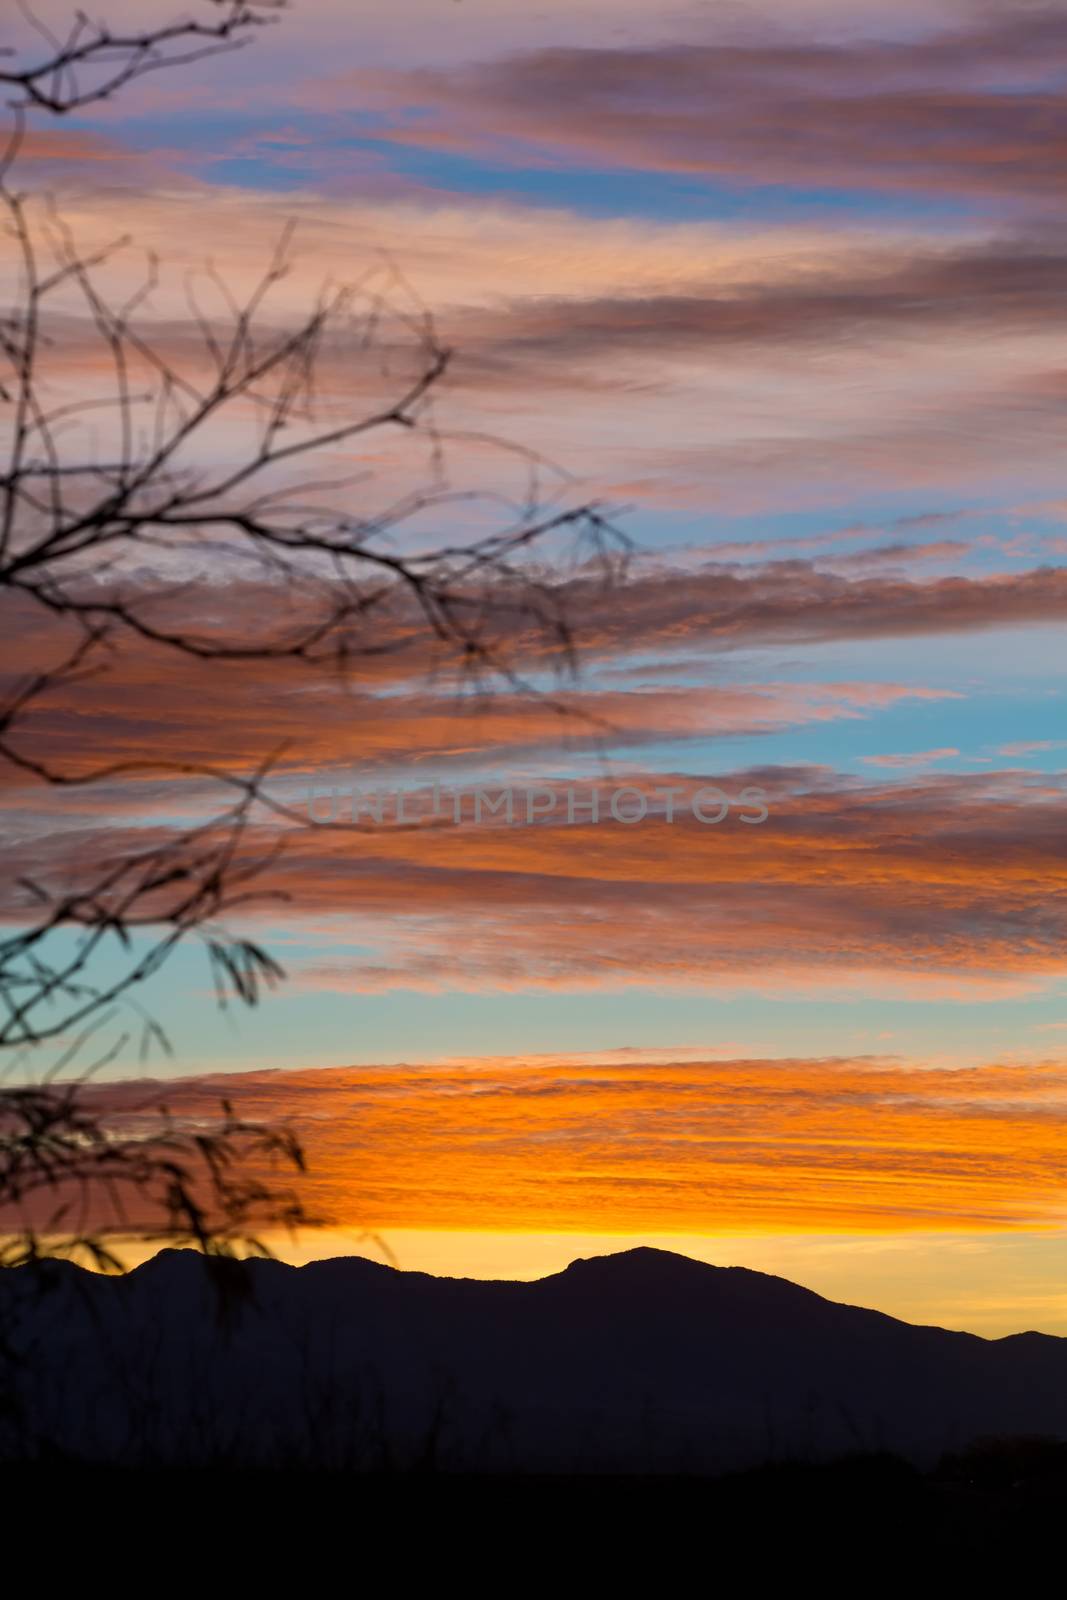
[[943, 1279]]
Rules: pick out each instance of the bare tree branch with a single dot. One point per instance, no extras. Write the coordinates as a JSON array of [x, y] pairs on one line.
[[91, 62], [117, 515]]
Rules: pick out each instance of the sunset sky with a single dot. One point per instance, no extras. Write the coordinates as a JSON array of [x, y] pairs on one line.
[[784, 288]]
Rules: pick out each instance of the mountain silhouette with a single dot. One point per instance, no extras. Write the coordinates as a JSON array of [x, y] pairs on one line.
[[639, 1361]]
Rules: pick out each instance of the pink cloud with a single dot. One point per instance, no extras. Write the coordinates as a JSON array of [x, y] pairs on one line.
[[918, 758], [969, 110]]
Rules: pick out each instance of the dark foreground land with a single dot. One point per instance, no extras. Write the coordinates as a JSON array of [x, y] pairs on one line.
[[603, 1428], [642, 1363], [1000, 1507]]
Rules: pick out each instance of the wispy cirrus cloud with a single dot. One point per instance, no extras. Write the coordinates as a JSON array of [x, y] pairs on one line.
[[1029, 747], [776, 1145], [715, 265], [915, 758], [701, 364], [665, 607], [938, 887], [969, 110]]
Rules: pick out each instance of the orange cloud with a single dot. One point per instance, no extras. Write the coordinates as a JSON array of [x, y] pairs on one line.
[[153, 703], [689, 1146], [67, 144], [944, 883], [943, 886]]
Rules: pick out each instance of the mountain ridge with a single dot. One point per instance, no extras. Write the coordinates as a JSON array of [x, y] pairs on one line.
[[639, 1360], [619, 1257]]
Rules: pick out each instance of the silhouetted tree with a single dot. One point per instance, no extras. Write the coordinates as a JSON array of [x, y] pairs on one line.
[[92, 61], [96, 541]]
